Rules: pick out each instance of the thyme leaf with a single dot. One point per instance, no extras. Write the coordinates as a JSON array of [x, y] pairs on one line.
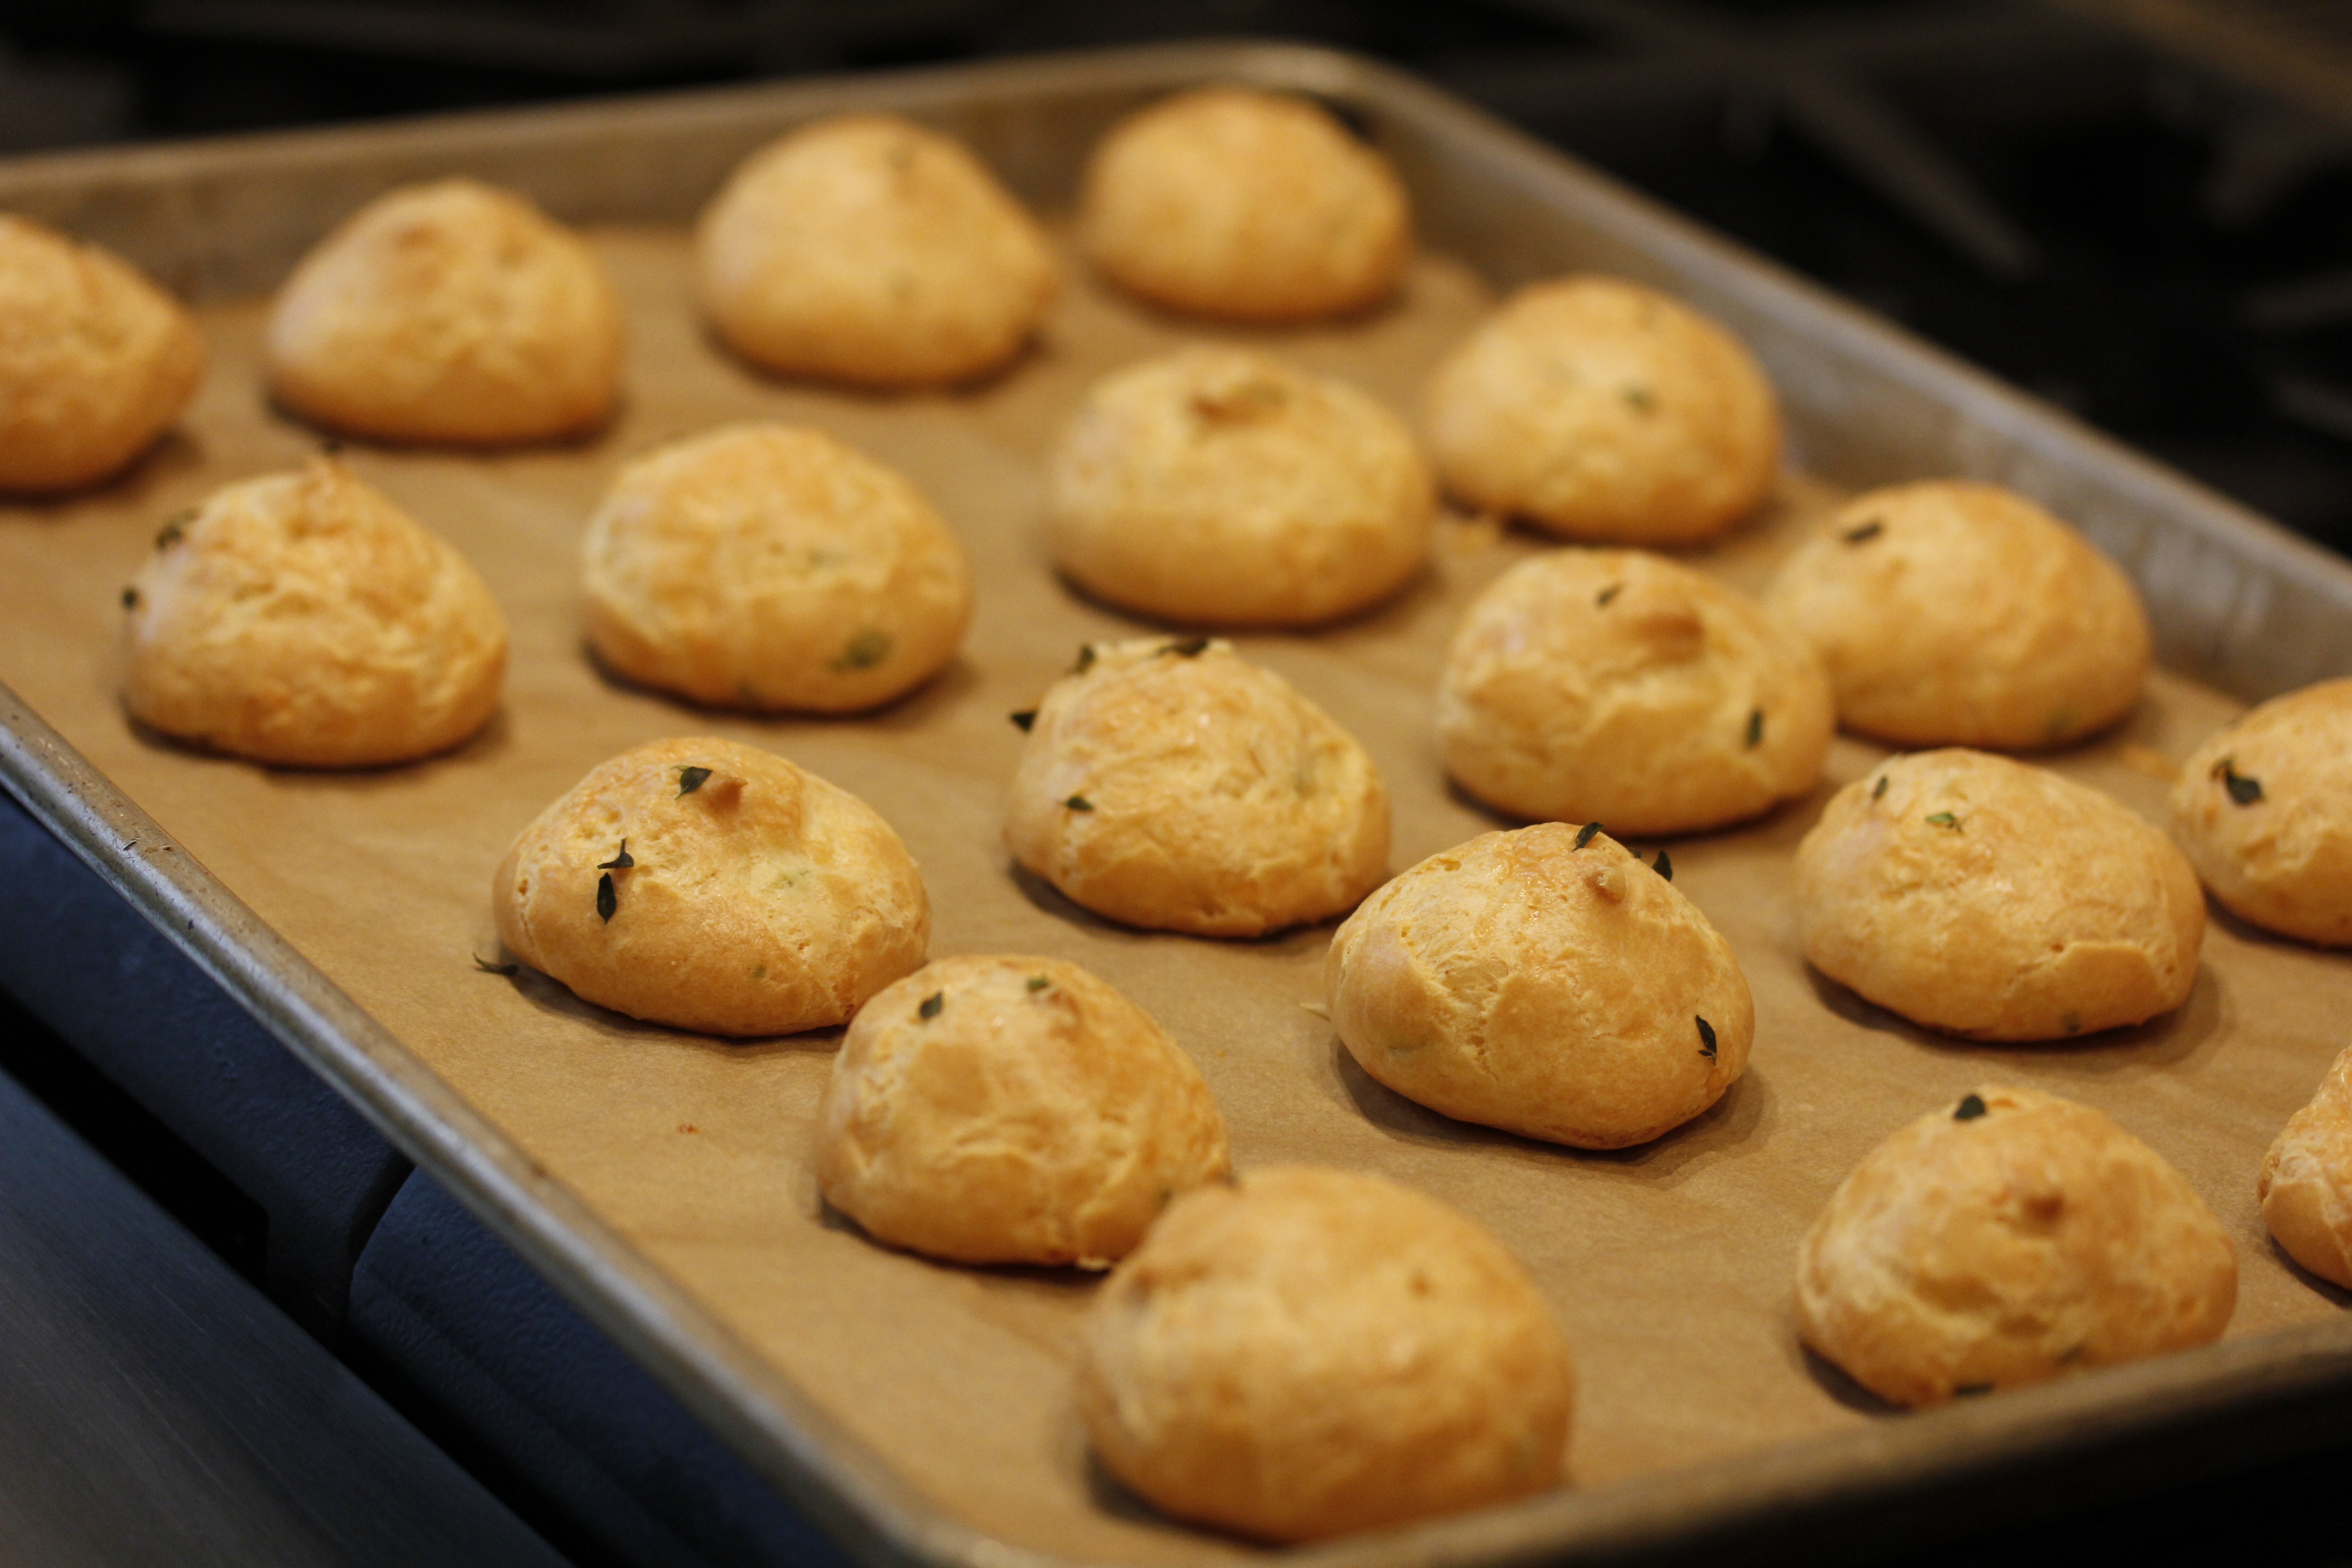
[[1665, 867], [129, 598], [1755, 727], [2242, 790], [174, 527], [1944, 819], [1971, 1106], [1640, 399], [1864, 532], [931, 1006], [606, 902], [1038, 983], [1584, 834], [692, 779], [1706, 1038], [1086, 659], [866, 649], [1079, 803], [1880, 788], [1023, 720], [1600, 600], [620, 861], [1191, 647]]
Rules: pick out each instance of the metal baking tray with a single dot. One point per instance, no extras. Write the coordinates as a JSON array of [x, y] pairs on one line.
[[2239, 605]]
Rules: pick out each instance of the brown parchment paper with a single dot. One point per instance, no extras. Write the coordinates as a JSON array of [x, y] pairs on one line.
[[1670, 1265]]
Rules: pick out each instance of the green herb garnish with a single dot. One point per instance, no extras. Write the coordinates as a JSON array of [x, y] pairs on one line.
[[1584, 834], [487, 967], [1639, 398], [1191, 647], [931, 1004], [1665, 867], [866, 649], [1600, 600], [129, 598], [692, 779], [1971, 1390], [1023, 720], [174, 527], [1864, 533], [619, 862], [1880, 788], [1944, 819], [1086, 659], [1038, 983], [606, 901], [2242, 790], [1755, 727], [1079, 803], [1706, 1038], [1971, 1107]]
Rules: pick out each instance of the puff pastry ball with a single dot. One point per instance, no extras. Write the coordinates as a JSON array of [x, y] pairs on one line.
[[1174, 785], [1012, 1109], [716, 886], [303, 619], [765, 567], [95, 360], [1248, 205], [1543, 981], [1996, 901], [452, 312], [1952, 613], [2264, 809], [1616, 686], [2306, 1180], [1314, 1351], [1223, 486], [2008, 1240], [865, 249], [1600, 410]]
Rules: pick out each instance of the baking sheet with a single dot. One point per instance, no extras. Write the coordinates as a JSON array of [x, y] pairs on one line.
[[1669, 1266]]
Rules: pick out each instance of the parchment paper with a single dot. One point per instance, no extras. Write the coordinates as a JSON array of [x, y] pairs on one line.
[[1669, 1266]]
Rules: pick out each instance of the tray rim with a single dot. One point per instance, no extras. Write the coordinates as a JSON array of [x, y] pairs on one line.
[[848, 1486]]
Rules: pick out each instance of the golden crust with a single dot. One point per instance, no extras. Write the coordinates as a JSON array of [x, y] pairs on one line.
[[1222, 486], [1249, 206], [303, 619], [2306, 1180], [95, 360], [1616, 686], [2281, 859], [1012, 1109], [2014, 1246], [865, 249], [1216, 799], [1989, 899], [1316, 1352], [450, 311], [1567, 994], [1601, 410], [761, 902], [1952, 613], [765, 567]]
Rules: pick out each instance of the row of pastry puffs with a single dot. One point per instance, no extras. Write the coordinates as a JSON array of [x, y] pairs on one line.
[[1299, 1352]]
